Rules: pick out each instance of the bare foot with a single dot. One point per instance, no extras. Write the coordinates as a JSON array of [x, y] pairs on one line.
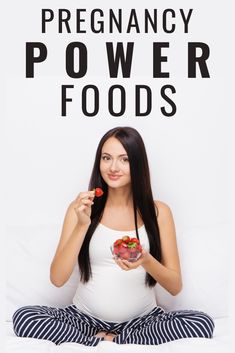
[[100, 334], [109, 337]]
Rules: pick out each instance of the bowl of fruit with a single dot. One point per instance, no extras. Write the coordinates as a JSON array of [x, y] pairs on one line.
[[127, 248]]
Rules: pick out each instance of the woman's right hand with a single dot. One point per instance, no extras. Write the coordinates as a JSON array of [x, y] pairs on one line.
[[82, 207]]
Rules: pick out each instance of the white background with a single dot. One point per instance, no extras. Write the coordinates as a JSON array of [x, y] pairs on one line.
[[49, 158]]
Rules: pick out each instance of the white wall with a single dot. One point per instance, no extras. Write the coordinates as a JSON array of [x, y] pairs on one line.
[[49, 158]]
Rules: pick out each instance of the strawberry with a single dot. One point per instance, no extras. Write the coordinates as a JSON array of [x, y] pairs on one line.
[[98, 192], [117, 242], [135, 240], [139, 247], [116, 250], [125, 255], [123, 248], [126, 239]]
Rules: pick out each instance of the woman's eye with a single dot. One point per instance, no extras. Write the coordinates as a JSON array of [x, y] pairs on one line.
[[105, 158]]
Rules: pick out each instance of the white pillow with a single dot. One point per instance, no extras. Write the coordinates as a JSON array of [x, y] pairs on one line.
[[204, 259], [30, 252]]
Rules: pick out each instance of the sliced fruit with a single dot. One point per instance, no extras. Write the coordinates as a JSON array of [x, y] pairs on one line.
[[127, 248], [117, 242], [139, 247], [132, 244], [116, 250], [134, 240], [126, 239], [125, 255], [123, 247]]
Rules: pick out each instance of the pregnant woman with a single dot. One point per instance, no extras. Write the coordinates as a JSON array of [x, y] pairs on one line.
[[115, 299]]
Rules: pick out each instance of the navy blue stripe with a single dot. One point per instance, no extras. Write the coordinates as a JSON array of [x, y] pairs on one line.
[[71, 325]]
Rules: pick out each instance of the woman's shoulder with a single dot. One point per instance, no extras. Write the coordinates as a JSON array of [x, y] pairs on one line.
[[161, 205], [163, 210]]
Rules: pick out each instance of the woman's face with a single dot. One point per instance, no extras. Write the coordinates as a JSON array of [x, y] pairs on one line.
[[114, 164]]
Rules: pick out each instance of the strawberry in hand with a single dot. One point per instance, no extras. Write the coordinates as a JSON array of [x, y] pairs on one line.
[[98, 192]]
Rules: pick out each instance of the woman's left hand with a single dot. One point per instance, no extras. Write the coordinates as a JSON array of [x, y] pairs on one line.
[[127, 265]]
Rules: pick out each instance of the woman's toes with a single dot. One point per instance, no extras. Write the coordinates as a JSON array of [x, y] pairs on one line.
[[101, 334], [109, 337]]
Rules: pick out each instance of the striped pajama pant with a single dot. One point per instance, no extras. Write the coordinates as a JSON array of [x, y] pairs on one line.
[[71, 325]]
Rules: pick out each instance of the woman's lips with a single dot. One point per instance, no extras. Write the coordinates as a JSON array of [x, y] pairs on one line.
[[113, 177]]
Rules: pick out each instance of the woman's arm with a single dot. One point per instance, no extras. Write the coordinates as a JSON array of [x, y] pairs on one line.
[[69, 246], [167, 273], [75, 226]]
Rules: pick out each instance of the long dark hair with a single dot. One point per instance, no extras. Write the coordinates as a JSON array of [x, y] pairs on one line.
[[143, 202]]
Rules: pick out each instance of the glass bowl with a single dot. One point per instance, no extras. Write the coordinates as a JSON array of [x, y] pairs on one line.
[[129, 250]]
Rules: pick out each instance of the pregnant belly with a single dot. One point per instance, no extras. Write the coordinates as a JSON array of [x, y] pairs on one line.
[[117, 296]]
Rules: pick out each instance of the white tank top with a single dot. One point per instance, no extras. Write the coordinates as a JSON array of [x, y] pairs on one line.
[[113, 294]]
